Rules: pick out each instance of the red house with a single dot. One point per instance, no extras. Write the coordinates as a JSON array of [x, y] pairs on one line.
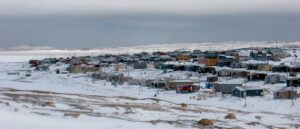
[[34, 63], [187, 89]]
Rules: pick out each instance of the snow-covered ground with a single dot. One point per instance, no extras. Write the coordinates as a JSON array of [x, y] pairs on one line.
[[47, 100], [102, 105]]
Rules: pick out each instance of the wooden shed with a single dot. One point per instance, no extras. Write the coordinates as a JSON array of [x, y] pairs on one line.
[[172, 84]]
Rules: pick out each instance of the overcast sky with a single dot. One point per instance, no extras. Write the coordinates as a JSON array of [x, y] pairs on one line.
[[112, 23]]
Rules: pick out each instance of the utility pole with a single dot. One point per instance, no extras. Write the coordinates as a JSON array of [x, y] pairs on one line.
[[199, 86], [245, 96], [139, 90]]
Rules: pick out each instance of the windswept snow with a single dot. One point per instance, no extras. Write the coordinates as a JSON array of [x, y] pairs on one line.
[[46, 100]]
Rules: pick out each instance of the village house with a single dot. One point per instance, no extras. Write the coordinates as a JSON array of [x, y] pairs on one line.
[[42, 67], [119, 67], [34, 63], [99, 75], [192, 68], [239, 74], [173, 54], [237, 65], [147, 82], [275, 78], [161, 58], [264, 67], [212, 78], [259, 55], [196, 54], [252, 66], [259, 66], [293, 82], [295, 69], [84, 68], [197, 51], [142, 65], [225, 88], [124, 59], [225, 61], [183, 58], [179, 68], [242, 92], [281, 68], [234, 53], [158, 83], [285, 93], [207, 69], [187, 89], [172, 84], [257, 76], [210, 58], [49, 61], [132, 81], [277, 53], [224, 73], [118, 78]]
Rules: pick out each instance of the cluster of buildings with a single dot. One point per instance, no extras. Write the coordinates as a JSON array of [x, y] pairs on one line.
[[248, 64]]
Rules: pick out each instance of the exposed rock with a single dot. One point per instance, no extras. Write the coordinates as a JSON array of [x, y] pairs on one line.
[[75, 115], [258, 117], [206, 122], [183, 105], [49, 104], [230, 116], [253, 123]]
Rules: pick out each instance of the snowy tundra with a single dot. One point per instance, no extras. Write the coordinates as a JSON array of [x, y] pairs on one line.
[[46, 100]]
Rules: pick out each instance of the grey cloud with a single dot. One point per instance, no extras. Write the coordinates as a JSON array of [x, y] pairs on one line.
[[124, 30], [187, 7]]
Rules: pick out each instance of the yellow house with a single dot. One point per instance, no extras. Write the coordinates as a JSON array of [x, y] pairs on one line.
[[265, 67], [183, 57], [119, 67], [211, 61]]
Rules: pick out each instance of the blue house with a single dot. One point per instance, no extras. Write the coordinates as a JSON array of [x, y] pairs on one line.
[[247, 91], [225, 61]]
